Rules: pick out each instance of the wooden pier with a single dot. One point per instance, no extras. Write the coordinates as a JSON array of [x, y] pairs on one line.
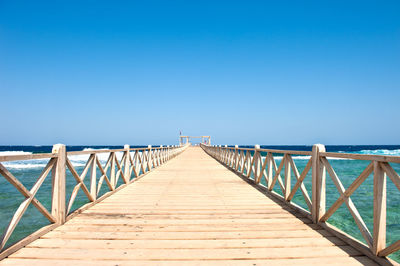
[[190, 211]]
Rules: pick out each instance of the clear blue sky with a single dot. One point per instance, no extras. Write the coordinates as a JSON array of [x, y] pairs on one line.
[[244, 72]]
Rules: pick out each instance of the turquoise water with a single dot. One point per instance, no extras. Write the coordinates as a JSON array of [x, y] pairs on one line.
[[347, 170]]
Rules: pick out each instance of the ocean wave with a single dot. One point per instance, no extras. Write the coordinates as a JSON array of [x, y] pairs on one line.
[[80, 160], [91, 149], [76, 160], [395, 152], [5, 153], [25, 164], [381, 152]]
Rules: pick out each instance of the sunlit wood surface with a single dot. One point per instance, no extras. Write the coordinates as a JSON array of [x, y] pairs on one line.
[[191, 211]]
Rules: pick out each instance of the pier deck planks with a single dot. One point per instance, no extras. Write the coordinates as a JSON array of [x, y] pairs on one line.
[[191, 211]]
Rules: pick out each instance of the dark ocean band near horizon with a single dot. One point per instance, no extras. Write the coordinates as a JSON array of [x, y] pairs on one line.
[[393, 150]]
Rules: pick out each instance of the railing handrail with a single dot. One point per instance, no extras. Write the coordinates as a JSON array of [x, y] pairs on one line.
[[354, 156], [114, 150], [273, 150], [364, 157], [23, 157]]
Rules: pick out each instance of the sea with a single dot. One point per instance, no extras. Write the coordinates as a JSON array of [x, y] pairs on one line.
[[347, 170]]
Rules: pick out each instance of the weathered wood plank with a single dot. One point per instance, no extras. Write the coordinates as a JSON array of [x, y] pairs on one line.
[[359, 260], [186, 243], [188, 254], [186, 228], [188, 235]]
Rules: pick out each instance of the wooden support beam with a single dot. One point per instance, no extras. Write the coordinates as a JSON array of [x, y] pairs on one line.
[[256, 162], [93, 179], [112, 171], [287, 177], [58, 209], [127, 171], [379, 237], [318, 184], [149, 158]]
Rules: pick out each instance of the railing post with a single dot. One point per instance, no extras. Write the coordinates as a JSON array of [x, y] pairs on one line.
[[236, 157], [228, 157], [113, 176], [127, 170], [93, 181], [58, 184], [269, 157], [318, 184], [379, 238], [162, 155], [226, 154], [159, 155], [149, 158], [168, 151], [256, 165], [288, 186]]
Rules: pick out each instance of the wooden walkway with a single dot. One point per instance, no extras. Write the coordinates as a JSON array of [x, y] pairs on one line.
[[191, 211]]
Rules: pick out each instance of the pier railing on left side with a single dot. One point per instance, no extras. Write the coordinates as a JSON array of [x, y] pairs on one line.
[[257, 164], [134, 163]]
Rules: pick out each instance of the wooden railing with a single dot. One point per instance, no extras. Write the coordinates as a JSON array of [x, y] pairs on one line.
[[135, 163], [258, 164]]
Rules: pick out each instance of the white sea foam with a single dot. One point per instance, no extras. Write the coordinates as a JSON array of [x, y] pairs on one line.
[[22, 164], [5, 153], [302, 157], [25, 165], [381, 152], [76, 160], [80, 160]]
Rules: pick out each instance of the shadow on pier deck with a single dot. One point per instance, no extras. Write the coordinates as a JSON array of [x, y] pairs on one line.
[[191, 211]]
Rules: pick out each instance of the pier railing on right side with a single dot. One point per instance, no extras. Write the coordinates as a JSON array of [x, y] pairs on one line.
[[257, 164]]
